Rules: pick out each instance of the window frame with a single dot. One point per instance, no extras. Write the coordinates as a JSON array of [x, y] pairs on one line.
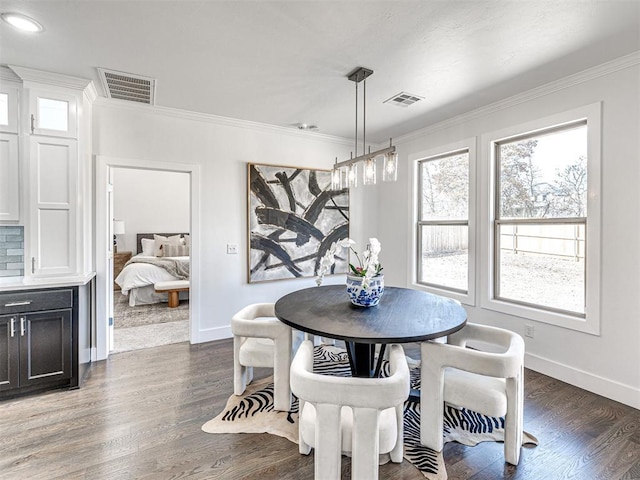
[[469, 146], [590, 321]]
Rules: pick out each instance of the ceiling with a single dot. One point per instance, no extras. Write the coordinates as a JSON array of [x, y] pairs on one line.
[[286, 62]]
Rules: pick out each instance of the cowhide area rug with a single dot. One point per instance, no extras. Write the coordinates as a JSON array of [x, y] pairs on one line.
[[253, 412]]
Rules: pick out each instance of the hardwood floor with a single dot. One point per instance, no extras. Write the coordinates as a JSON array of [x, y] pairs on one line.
[[139, 416]]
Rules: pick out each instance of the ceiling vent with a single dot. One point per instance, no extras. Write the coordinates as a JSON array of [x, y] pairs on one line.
[[306, 126], [126, 86], [404, 99]]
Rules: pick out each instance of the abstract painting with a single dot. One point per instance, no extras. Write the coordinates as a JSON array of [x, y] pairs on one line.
[[294, 218]]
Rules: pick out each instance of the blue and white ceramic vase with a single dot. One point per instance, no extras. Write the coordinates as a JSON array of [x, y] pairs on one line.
[[369, 297]]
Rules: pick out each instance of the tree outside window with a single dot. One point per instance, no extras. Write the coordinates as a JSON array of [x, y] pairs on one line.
[[541, 219], [443, 225]]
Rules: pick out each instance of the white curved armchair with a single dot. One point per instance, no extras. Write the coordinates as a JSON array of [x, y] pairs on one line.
[[483, 381], [261, 340], [361, 416]]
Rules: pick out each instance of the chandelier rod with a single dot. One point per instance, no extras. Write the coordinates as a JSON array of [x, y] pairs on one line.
[[356, 136], [364, 116]]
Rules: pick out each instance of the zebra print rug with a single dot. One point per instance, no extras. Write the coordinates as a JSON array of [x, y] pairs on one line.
[[253, 412]]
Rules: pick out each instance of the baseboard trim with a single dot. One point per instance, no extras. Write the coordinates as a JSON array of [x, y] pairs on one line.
[[593, 383], [211, 334]]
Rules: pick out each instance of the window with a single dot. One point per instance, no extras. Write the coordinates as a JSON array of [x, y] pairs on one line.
[[443, 228], [542, 229], [541, 219], [53, 114]]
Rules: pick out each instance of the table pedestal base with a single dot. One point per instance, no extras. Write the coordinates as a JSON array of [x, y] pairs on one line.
[[362, 359], [414, 396]]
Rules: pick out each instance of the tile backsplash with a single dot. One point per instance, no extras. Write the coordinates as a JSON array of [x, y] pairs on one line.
[[11, 251]]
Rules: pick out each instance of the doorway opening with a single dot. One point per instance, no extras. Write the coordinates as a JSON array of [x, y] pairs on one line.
[[108, 171], [144, 216]]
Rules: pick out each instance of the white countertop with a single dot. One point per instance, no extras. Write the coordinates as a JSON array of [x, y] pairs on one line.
[[30, 283]]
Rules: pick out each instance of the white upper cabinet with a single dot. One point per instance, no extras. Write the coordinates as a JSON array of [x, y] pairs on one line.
[[52, 120], [53, 114], [8, 109], [9, 178], [9, 159], [54, 192], [53, 183]]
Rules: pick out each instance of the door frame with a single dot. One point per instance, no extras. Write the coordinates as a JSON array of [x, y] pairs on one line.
[[104, 243]]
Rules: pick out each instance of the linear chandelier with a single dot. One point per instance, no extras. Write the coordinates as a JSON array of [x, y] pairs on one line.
[[345, 173]]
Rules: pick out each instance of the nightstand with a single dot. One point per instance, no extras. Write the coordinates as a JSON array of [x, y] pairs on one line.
[[119, 259]]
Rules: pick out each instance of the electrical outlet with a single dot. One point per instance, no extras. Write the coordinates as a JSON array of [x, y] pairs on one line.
[[232, 249], [528, 331]]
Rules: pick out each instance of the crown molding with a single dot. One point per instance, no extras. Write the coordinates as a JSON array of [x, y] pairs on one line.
[[91, 93], [48, 78], [7, 75], [607, 68], [216, 119]]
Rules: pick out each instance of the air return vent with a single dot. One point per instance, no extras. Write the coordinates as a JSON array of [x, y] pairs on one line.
[[404, 99], [127, 86]]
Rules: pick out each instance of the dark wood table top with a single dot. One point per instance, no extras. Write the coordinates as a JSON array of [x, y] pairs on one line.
[[403, 315]]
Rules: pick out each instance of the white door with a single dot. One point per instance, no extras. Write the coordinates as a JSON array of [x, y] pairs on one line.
[[53, 204], [9, 178]]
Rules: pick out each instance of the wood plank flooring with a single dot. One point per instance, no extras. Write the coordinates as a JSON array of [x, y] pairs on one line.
[[139, 416]]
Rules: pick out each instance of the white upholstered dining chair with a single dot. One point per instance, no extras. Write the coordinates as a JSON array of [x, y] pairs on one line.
[[261, 340], [362, 417], [487, 379]]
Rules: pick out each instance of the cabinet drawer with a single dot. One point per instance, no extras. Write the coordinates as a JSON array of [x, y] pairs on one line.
[[34, 301]]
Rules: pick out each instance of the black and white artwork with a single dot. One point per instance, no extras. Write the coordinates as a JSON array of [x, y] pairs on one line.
[[294, 218]]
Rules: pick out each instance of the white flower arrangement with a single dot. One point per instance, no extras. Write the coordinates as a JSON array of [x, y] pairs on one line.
[[369, 265]]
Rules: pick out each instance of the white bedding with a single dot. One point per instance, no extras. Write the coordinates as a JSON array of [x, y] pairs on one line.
[[139, 275]]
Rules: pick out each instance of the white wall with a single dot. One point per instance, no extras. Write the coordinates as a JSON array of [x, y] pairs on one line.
[[222, 149], [608, 364], [149, 201]]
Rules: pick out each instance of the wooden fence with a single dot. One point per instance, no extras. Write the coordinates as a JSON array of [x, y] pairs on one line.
[[558, 240]]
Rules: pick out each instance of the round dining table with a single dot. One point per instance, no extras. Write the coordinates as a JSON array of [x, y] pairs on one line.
[[403, 316]]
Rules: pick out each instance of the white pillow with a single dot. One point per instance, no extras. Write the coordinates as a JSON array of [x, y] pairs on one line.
[[159, 240], [171, 250], [187, 240], [148, 246]]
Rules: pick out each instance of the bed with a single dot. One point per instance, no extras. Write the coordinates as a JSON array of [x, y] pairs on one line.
[[151, 265]]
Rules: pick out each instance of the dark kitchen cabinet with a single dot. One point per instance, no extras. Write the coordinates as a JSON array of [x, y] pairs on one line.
[[38, 340]]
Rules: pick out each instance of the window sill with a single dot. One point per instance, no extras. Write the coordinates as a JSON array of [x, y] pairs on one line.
[[590, 324], [463, 298]]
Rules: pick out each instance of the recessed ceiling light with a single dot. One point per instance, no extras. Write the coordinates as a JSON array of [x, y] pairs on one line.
[[22, 22]]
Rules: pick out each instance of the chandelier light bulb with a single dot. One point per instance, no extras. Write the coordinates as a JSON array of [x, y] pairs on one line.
[[352, 175], [344, 177], [390, 170], [335, 179], [369, 174]]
